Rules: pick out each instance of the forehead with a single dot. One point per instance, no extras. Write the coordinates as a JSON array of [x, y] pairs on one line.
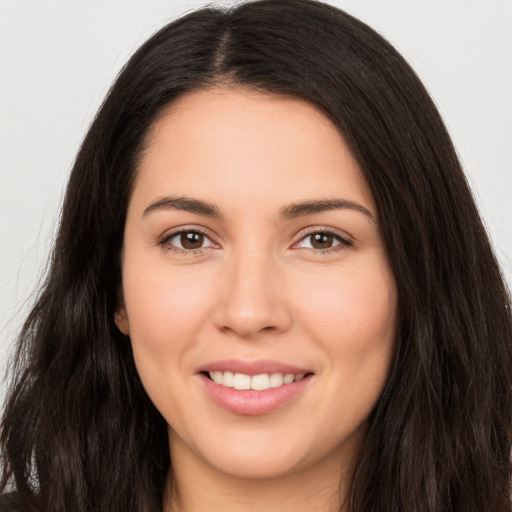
[[238, 144]]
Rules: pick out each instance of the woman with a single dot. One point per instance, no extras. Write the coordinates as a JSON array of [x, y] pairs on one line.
[[270, 288]]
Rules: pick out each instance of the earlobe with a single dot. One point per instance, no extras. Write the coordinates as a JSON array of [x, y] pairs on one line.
[[121, 321], [120, 315]]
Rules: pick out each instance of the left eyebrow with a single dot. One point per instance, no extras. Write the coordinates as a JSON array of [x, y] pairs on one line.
[[295, 210], [183, 203]]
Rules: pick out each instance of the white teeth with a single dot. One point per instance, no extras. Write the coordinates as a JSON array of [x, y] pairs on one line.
[[242, 381], [289, 378], [276, 380], [228, 379], [259, 382]]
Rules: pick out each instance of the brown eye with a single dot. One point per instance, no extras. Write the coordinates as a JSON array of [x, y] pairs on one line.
[[322, 240], [191, 240], [184, 241]]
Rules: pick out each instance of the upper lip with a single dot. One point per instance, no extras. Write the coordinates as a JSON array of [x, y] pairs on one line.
[[255, 367]]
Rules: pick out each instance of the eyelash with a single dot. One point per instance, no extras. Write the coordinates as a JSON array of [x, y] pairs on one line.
[[164, 241], [344, 243]]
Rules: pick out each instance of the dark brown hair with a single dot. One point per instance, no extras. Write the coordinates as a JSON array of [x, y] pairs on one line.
[[79, 432]]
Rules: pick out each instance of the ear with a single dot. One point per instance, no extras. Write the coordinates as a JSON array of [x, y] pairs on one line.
[[120, 315]]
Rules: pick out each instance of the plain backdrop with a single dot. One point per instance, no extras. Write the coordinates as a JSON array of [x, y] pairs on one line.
[[59, 57]]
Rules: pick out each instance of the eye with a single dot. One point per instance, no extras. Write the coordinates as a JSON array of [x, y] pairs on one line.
[[186, 241], [322, 240]]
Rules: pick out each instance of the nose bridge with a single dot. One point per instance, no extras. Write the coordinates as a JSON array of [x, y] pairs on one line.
[[252, 299]]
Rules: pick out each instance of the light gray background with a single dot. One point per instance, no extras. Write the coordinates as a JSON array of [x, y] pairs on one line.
[[59, 57]]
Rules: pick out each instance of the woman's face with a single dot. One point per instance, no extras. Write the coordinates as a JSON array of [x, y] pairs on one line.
[[252, 256]]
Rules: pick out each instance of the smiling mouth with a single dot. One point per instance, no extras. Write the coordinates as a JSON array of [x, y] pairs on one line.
[[260, 382]]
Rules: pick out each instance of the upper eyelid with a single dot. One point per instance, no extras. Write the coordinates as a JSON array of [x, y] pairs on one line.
[[322, 229], [180, 232], [187, 229]]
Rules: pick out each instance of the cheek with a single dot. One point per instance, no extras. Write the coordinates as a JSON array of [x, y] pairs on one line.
[[354, 322], [344, 301], [166, 309], [161, 301], [353, 317]]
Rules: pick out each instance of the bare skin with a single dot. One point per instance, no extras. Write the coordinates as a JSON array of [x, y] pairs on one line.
[[252, 240]]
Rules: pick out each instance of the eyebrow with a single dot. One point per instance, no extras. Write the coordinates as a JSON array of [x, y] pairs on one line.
[[292, 211], [186, 204], [295, 210]]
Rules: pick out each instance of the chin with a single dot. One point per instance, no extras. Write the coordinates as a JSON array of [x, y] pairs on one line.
[[261, 466], [246, 454]]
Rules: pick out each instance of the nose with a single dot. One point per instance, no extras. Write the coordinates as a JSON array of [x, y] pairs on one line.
[[252, 298]]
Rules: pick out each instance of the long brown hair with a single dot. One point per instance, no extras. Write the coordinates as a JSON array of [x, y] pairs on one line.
[[79, 432]]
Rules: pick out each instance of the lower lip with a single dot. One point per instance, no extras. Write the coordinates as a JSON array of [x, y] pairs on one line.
[[250, 402]]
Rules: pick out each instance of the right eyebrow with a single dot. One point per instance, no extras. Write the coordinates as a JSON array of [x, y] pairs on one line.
[[183, 203], [295, 210]]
